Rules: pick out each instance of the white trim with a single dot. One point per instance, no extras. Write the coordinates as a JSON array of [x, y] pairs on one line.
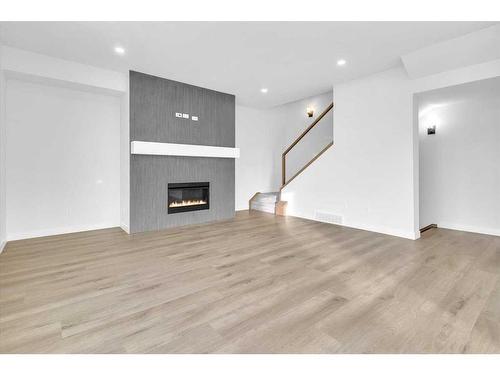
[[34, 64], [417, 235], [368, 228], [56, 231], [177, 149], [2, 246], [469, 228], [125, 228], [384, 230]]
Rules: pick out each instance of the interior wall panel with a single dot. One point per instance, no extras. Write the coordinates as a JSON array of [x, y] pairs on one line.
[[154, 101]]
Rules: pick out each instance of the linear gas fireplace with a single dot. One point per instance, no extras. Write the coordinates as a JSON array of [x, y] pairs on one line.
[[191, 196]]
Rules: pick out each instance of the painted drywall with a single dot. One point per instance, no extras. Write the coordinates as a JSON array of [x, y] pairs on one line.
[[460, 164], [468, 74], [263, 134], [154, 102], [466, 50], [258, 136], [365, 177], [3, 132], [63, 160], [370, 176], [65, 72], [293, 120], [25, 65], [125, 161], [292, 117]]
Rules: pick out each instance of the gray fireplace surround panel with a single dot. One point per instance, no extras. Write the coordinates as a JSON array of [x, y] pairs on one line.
[[154, 103]]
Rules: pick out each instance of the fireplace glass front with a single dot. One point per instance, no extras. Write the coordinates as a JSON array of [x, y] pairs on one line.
[[183, 197]]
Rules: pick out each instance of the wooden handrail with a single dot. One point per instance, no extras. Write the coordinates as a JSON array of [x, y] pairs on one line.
[[308, 164], [302, 135]]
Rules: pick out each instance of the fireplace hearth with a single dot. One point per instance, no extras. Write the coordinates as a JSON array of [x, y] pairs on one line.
[[192, 196]]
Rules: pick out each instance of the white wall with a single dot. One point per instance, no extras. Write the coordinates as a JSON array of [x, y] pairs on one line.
[[467, 74], [262, 135], [370, 176], [125, 161], [3, 217], [293, 120], [460, 164], [25, 65], [63, 160], [44, 67], [366, 176], [257, 168], [466, 50]]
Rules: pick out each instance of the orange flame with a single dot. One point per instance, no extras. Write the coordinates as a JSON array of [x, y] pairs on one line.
[[187, 203]]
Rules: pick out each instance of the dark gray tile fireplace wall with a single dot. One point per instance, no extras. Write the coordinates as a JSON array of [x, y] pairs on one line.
[[153, 104]]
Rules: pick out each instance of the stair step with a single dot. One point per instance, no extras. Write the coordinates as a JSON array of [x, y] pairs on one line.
[[265, 207], [265, 202], [267, 197]]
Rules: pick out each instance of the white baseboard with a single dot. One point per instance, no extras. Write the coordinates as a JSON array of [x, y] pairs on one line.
[[60, 230], [411, 235], [2, 246], [470, 228], [125, 228]]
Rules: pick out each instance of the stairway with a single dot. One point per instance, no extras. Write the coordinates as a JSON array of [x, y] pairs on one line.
[[271, 202], [266, 202]]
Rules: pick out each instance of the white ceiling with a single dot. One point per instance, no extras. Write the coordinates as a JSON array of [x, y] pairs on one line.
[[485, 89], [292, 59], [470, 49]]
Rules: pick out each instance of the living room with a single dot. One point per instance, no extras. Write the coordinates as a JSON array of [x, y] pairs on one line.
[[208, 187]]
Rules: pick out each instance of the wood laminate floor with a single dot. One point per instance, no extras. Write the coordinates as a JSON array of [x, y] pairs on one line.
[[255, 284]]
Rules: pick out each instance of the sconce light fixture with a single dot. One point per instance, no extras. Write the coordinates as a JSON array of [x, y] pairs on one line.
[[431, 130], [310, 112]]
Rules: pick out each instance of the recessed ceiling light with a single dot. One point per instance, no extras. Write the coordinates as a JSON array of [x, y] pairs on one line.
[[120, 50], [263, 90], [341, 62]]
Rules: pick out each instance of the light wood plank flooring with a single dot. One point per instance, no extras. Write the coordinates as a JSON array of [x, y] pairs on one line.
[[255, 284]]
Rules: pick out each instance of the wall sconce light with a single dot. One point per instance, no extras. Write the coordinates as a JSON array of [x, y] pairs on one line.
[[310, 112], [431, 130]]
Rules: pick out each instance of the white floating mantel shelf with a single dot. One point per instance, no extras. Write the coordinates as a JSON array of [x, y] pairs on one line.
[[177, 149]]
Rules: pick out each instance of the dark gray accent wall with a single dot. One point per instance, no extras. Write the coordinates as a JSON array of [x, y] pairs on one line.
[[153, 104]]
